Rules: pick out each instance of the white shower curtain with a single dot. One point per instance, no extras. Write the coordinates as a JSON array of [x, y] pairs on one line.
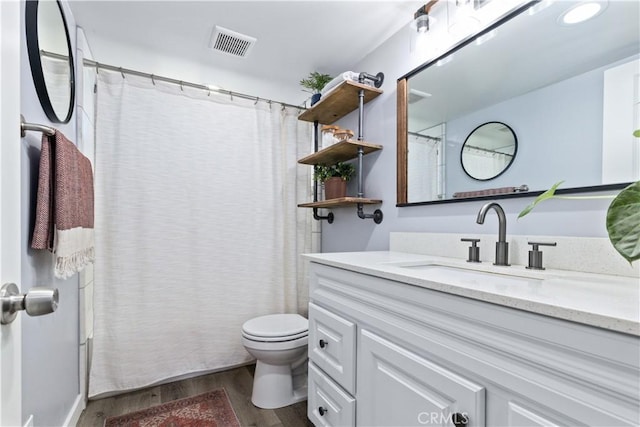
[[197, 228]]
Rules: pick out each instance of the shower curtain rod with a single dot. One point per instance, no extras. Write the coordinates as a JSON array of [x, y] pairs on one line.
[[97, 65], [433, 138]]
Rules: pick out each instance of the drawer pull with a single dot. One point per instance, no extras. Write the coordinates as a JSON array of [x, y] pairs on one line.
[[322, 410], [460, 420], [323, 343]]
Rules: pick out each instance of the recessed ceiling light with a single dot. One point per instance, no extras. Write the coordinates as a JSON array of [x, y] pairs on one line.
[[582, 12]]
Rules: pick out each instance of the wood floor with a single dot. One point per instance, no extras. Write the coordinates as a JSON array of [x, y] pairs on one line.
[[237, 382]]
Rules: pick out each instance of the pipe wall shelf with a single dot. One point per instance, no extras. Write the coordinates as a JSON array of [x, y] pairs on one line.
[[336, 104], [340, 101], [341, 202], [339, 152]]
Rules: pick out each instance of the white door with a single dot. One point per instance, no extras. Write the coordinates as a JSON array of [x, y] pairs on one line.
[[10, 335]]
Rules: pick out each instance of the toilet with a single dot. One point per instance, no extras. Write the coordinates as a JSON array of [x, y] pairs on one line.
[[279, 344]]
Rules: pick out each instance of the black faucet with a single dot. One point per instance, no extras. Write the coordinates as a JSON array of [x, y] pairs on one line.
[[502, 247]]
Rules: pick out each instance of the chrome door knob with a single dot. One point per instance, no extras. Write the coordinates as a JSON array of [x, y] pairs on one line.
[[36, 302], [39, 301]]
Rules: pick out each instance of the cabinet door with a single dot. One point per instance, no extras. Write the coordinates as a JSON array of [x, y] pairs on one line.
[[398, 387], [328, 404], [332, 345]]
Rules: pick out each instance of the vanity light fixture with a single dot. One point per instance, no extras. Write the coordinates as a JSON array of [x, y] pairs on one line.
[[582, 12], [421, 19], [465, 21]]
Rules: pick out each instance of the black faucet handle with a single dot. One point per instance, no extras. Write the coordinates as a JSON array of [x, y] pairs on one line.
[[474, 250], [535, 254]]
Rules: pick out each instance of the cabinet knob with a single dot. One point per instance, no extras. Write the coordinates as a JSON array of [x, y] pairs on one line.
[[460, 420], [322, 410], [323, 343]]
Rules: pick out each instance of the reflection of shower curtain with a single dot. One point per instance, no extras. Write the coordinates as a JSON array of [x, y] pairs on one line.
[[485, 164], [56, 76], [424, 180], [197, 228]]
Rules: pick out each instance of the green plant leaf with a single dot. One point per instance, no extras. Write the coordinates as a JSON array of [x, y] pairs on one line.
[[636, 133], [544, 196], [623, 222]]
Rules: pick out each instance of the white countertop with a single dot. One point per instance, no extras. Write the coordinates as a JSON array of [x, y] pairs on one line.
[[604, 301]]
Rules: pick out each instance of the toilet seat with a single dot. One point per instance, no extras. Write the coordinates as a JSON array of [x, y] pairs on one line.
[[276, 328]]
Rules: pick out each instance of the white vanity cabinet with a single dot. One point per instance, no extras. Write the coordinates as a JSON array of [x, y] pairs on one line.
[[394, 354]]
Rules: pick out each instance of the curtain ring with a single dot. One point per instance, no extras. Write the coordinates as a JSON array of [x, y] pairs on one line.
[[257, 99], [181, 88], [97, 67], [121, 73], [153, 80], [209, 94], [284, 107], [231, 95], [269, 104]]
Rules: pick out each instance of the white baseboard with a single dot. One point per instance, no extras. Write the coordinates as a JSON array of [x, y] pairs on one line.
[[75, 412]]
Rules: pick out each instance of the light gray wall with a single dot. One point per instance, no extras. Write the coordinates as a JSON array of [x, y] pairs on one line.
[[350, 233], [50, 343]]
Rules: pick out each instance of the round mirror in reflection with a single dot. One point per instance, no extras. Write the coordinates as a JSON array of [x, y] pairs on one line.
[[488, 151], [50, 58]]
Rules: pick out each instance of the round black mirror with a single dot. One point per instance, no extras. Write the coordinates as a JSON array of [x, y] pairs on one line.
[[488, 151], [50, 58]]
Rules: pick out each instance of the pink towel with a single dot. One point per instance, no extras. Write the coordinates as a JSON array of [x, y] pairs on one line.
[[64, 206], [488, 192]]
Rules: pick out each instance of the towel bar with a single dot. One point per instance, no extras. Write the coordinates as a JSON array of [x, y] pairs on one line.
[[24, 127]]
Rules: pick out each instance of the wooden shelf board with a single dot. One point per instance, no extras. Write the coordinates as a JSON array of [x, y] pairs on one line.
[[343, 201], [339, 152], [342, 100]]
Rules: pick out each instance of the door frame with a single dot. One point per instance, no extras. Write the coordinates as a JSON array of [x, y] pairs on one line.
[[10, 221]]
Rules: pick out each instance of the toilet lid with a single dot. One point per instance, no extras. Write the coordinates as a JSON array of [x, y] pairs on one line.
[[276, 325]]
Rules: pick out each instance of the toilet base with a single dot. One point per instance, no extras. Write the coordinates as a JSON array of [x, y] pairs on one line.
[[274, 386]]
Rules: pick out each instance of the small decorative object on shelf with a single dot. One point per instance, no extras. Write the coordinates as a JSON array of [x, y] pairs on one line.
[[328, 135], [343, 135], [314, 84]]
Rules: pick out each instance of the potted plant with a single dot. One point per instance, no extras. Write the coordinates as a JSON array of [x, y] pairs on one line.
[[335, 179], [314, 84]]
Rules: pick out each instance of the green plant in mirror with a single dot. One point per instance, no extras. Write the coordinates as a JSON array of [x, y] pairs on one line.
[[623, 217], [342, 170]]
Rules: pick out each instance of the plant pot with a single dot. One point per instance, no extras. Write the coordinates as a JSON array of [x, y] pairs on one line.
[[315, 98], [334, 188]]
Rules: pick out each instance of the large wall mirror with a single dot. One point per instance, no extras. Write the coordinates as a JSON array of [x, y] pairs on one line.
[[568, 93], [50, 58]]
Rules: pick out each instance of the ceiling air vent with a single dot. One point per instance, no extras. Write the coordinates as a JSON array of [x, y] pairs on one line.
[[416, 95], [230, 42]]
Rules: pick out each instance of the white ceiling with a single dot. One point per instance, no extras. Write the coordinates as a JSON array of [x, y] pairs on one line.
[[294, 37]]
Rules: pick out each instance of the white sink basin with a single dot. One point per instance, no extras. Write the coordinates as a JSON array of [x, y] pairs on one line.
[[464, 275]]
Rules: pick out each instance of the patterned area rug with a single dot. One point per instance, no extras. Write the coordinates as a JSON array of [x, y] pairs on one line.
[[211, 409]]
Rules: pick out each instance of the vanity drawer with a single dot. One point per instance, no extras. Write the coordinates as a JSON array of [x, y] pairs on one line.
[[328, 405], [332, 345]]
